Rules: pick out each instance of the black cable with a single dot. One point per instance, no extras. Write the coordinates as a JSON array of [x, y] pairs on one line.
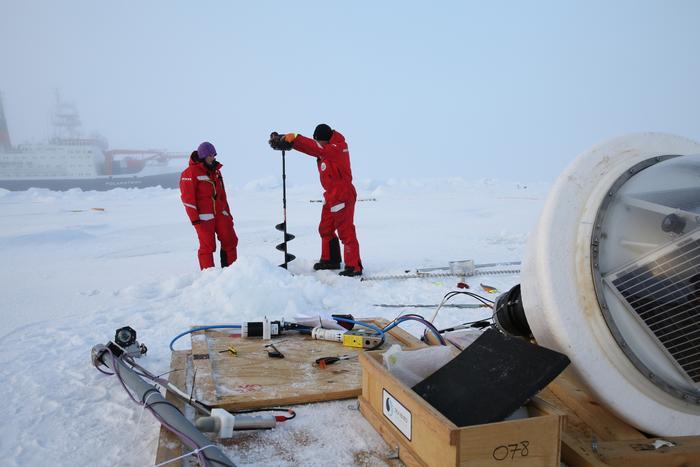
[[151, 404], [484, 300], [470, 324], [169, 371], [381, 343], [449, 295], [146, 393]]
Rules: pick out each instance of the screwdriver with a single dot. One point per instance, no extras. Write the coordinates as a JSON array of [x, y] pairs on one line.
[[323, 362]]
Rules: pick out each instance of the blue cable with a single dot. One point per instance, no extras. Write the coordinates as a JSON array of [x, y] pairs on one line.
[[377, 329], [427, 324], [399, 320], [203, 328]]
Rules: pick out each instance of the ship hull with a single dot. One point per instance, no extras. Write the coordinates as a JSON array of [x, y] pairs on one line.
[[104, 183]]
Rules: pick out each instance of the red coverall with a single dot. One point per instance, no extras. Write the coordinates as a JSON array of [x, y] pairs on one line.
[[203, 194], [339, 196]]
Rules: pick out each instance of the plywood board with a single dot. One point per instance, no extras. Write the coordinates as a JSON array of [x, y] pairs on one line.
[[252, 379], [169, 446], [204, 385]]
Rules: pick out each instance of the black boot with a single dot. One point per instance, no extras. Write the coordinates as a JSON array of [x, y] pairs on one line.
[[326, 264], [334, 245], [334, 262], [349, 271]]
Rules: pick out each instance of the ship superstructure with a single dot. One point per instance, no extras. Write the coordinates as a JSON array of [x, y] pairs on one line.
[[68, 160]]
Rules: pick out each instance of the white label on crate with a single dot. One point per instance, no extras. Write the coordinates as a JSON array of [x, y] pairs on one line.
[[396, 413]]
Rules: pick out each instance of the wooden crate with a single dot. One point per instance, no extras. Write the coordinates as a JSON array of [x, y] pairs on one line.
[[424, 437]]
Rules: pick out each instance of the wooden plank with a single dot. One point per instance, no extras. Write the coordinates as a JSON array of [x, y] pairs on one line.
[[605, 425], [576, 438], [684, 453], [529, 442], [582, 444], [204, 386], [575, 453], [169, 446]]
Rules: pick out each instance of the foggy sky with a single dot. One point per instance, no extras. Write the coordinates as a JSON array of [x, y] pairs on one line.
[[513, 90]]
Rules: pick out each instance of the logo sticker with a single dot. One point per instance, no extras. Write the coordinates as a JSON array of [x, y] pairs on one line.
[[397, 414]]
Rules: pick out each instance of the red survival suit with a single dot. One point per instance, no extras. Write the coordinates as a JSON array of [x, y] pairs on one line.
[[333, 161], [203, 194]]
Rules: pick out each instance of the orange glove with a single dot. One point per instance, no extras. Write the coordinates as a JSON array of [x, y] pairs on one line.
[[290, 137]]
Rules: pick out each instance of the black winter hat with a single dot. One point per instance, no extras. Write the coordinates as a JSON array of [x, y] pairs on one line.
[[323, 132]]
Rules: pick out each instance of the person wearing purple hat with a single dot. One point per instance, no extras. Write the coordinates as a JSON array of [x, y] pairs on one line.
[[204, 197]]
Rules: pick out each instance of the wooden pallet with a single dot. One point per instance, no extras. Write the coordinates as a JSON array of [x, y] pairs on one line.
[[592, 436]]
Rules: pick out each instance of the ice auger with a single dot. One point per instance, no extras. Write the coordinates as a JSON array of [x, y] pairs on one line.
[[282, 227]]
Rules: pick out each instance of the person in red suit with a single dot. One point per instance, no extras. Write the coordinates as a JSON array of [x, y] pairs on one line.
[[204, 196], [329, 148]]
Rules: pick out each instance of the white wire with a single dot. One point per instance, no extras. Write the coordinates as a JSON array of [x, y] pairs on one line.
[[445, 298], [143, 407]]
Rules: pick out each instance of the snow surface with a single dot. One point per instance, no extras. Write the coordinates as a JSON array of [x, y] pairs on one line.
[[73, 274]]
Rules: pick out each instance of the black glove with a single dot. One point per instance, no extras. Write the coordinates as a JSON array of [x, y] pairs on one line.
[[278, 143]]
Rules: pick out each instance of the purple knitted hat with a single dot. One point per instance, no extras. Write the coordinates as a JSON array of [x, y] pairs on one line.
[[205, 150]]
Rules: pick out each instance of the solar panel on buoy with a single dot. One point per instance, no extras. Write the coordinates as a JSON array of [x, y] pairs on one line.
[[662, 290]]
